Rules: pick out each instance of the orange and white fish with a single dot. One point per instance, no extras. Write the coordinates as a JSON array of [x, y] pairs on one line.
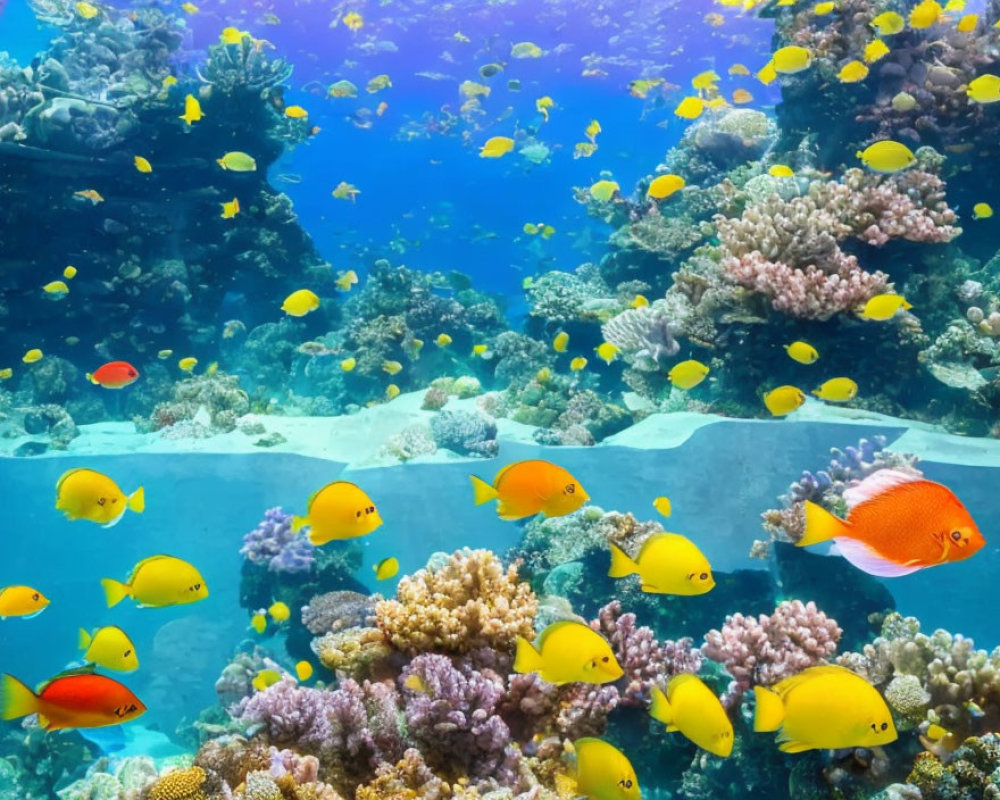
[[70, 700], [897, 524]]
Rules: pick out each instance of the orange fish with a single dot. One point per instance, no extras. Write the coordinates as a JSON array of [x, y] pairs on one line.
[[897, 523], [526, 488], [70, 700], [114, 375]]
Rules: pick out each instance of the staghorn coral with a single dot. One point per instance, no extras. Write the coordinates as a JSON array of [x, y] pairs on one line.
[[469, 601], [243, 67]]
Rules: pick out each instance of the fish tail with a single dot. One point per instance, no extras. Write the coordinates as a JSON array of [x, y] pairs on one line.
[[858, 154], [483, 491], [16, 699], [528, 659], [770, 711], [298, 523], [137, 500], [621, 564], [659, 707], [83, 640], [91, 378], [114, 591], [821, 525]]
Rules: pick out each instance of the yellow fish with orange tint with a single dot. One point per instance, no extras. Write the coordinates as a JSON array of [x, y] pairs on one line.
[[568, 652], [340, 510], [526, 488], [21, 601]]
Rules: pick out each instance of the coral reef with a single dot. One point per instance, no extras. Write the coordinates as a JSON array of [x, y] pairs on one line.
[[274, 544], [466, 433]]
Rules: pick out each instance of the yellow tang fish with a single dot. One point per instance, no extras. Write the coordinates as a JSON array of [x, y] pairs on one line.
[[392, 367], [837, 390], [346, 281], [603, 772], [526, 488], [607, 352], [496, 146], [705, 80], [56, 288], [639, 301], [662, 186], [258, 622], [803, 352], [386, 569], [784, 400], [479, 349], [108, 647], [738, 69], [280, 612], [604, 190], [237, 161], [687, 374], [781, 171], [887, 23], [887, 156], [189, 8], [69, 273], [6, 374], [340, 510], [353, 21], [188, 364], [348, 364], [584, 150], [592, 130], [852, 72], [882, 307], [303, 670], [300, 302], [577, 364], [86, 10], [690, 108], [668, 563], [156, 582], [32, 356], [568, 652], [346, 191], [968, 23], [690, 707], [544, 375], [442, 340], [875, 50], [265, 678], [982, 211], [824, 708], [742, 97], [91, 495], [791, 59], [192, 110], [296, 112], [663, 506], [21, 601], [542, 106], [824, 8], [767, 74], [984, 89], [925, 14], [230, 209]]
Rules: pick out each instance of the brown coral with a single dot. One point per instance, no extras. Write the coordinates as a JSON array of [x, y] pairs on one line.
[[184, 784], [232, 758], [470, 601], [354, 653]]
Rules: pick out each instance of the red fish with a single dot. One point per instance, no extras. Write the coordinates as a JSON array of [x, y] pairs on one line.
[[114, 375], [897, 524], [70, 700]]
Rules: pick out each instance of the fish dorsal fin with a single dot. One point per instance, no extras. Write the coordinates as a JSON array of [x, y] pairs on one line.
[[867, 559], [679, 680], [504, 471], [555, 627], [877, 484], [790, 684], [143, 563], [86, 669], [65, 475]]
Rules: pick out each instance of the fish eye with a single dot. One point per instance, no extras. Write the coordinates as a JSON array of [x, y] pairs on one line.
[[358, 514], [101, 501], [703, 576], [605, 659], [626, 783], [956, 536], [131, 373], [35, 597], [128, 653], [885, 726], [131, 707], [571, 488]]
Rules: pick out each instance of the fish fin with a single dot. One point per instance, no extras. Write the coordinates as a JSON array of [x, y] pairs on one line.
[[792, 746], [16, 699], [621, 564], [298, 523], [875, 484], [482, 490], [83, 640], [821, 525], [659, 707], [92, 379], [317, 539], [770, 710], [116, 520], [137, 501], [45, 722], [114, 591], [868, 560], [528, 659]]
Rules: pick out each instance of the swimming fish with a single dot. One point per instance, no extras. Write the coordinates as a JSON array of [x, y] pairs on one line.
[[86, 10], [687, 374], [189, 8], [781, 171], [21, 601], [607, 352], [784, 400], [142, 164], [6, 374], [584, 150], [604, 190], [346, 281], [300, 302], [70, 700], [568, 652], [982, 211], [837, 390], [925, 14], [526, 488], [738, 69], [265, 678], [803, 352], [348, 364], [156, 582], [378, 83], [690, 707], [69, 272], [90, 194], [346, 191], [742, 96], [280, 612], [639, 301], [392, 367], [578, 364], [603, 772], [386, 569], [897, 523], [888, 23], [690, 108], [852, 72], [542, 106], [237, 161], [968, 23], [230, 209], [296, 112], [479, 349], [56, 288], [767, 74], [984, 89], [875, 50], [668, 563], [259, 623], [340, 510], [884, 306], [114, 375], [705, 80], [593, 128], [662, 186], [108, 647], [525, 50], [187, 364], [825, 707], [192, 110], [442, 340], [33, 355], [88, 494], [544, 375], [342, 89], [303, 670], [353, 21], [887, 156], [791, 59], [824, 8], [662, 505], [496, 146]]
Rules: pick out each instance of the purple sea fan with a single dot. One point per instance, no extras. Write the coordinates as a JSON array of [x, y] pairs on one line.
[[274, 543]]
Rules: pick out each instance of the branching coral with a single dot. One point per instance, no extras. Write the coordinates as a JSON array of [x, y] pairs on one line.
[[243, 67], [274, 544]]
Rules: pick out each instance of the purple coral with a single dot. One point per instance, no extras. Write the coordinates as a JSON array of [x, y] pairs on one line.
[[766, 650], [291, 715], [535, 708], [274, 543]]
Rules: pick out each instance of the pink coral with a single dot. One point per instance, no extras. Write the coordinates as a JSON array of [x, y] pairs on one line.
[[766, 650]]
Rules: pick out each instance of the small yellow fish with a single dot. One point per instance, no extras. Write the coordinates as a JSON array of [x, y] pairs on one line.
[[259, 623], [852, 72], [300, 302], [187, 364], [32, 356], [525, 50], [607, 352], [378, 83], [767, 74], [479, 349], [781, 171], [21, 601], [90, 194], [165, 86], [353, 21], [346, 191], [542, 106], [544, 375], [639, 301], [662, 186], [442, 340], [69, 273], [791, 59], [348, 364], [568, 652], [192, 110], [663, 506], [237, 161], [108, 647], [875, 50], [738, 69], [784, 400], [386, 569], [163, 355], [604, 190], [925, 14], [296, 112], [667, 563], [57, 288], [824, 8], [887, 23], [415, 683], [982, 211], [189, 8], [592, 130], [690, 108], [803, 352], [584, 150], [86, 10], [837, 390], [496, 146], [6, 374], [392, 391], [280, 612], [968, 23], [265, 678], [230, 209], [602, 772], [887, 156], [303, 670], [984, 89], [392, 367], [690, 707], [578, 364], [156, 582], [142, 164], [882, 307], [346, 281], [705, 80], [714, 19], [340, 510], [560, 342], [688, 374]]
